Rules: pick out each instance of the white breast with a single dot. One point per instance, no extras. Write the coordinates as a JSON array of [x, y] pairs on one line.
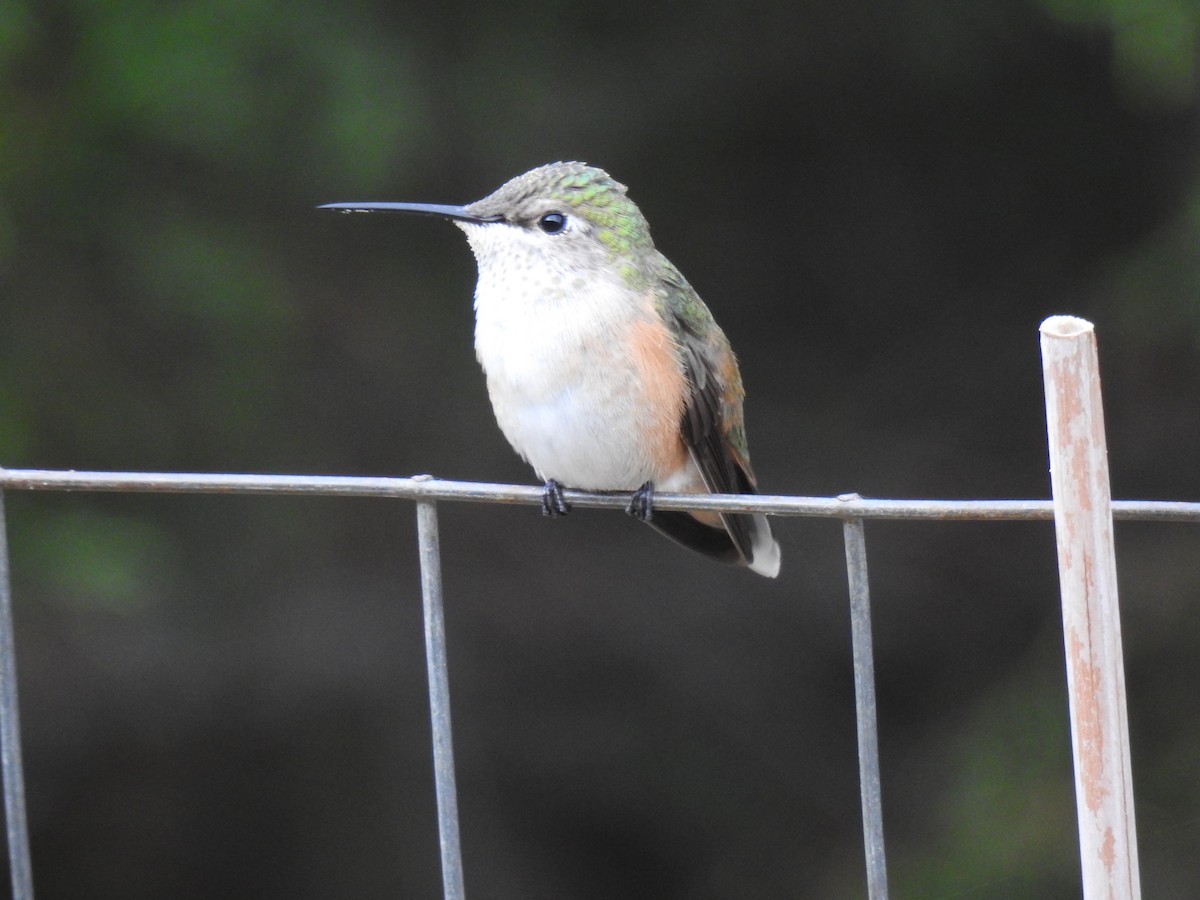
[[551, 344]]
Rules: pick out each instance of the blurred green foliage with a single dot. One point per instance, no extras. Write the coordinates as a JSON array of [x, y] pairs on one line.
[[97, 561], [1155, 44], [1152, 292], [879, 201], [249, 87], [1009, 800]]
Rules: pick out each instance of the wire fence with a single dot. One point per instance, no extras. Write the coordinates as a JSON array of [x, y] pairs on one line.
[[851, 510], [427, 492]]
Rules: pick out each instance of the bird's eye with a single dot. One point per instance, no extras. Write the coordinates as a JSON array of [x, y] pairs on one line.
[[552, 222]]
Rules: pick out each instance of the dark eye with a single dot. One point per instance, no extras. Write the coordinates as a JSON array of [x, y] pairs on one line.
[[552, 222]]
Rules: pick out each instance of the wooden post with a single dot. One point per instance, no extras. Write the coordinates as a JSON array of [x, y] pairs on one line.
[[1091, 621]]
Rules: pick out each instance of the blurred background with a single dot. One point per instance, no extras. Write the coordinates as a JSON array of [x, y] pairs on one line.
[[879, 200]]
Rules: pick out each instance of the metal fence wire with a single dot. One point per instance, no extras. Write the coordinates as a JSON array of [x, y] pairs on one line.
[[1083, 515]]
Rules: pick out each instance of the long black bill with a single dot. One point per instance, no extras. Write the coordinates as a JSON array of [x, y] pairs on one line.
[[442, 210]]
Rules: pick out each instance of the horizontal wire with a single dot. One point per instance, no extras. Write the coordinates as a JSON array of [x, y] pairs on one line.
[[426, 487]]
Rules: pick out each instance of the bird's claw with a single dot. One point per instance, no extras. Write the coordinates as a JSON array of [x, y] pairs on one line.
[[554, 504], [641, 504]]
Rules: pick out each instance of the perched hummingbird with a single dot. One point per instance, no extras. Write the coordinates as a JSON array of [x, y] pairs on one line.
[[605, 369]]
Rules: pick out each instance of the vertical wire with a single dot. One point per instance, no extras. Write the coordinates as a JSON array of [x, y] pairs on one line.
[[10, 735], [864, 701], [439, 700]]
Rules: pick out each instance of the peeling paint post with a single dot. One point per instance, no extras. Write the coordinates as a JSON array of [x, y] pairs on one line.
[[1087, 570]]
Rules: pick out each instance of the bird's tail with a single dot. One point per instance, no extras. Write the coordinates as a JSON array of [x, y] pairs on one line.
[[739, 539]]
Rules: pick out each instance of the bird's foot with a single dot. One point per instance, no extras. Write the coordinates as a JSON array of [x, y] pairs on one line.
[[554, 504], [641, 504]]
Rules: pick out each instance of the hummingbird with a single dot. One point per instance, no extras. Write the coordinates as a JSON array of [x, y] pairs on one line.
[[605, 369]]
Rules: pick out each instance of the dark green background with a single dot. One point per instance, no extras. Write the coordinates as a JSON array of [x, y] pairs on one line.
[[880, 201]]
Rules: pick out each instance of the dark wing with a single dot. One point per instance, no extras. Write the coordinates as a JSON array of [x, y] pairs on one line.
[[712, 421]]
